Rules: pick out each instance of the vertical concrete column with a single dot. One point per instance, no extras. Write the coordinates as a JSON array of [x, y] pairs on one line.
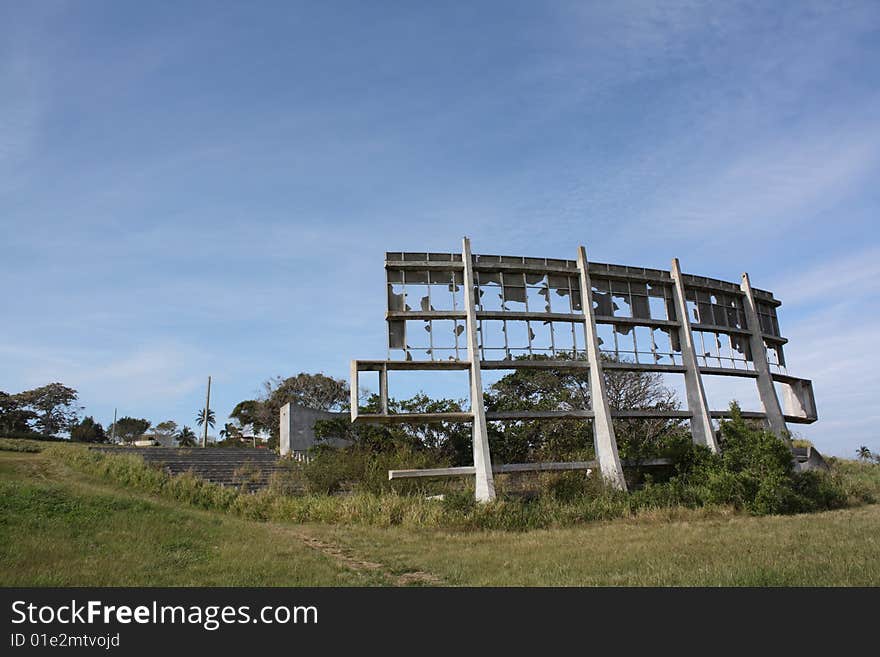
[[769, 400], [353, 390], [284, 429], [383, 389], [702, 431], [603, 426], [485, 483]]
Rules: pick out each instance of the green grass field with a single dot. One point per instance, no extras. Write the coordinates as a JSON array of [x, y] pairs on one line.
[[60, 527]]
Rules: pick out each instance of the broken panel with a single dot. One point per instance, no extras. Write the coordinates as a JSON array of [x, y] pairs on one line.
[[644, 344], [626, 348], [517, 332], [397, 334], [767, 317], [607, 344], [538, 299], [542, 338], [491, 336], [565, 342], [514, 292], [396, 296]]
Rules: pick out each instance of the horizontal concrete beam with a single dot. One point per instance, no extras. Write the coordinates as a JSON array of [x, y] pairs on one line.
[[540, 364], [538, 415], [412, 418], [540, 316], [519, 467], [496, 469], [497, 416], [390, 365]]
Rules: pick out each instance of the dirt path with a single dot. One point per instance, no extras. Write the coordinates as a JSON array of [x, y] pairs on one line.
[[344, 557]]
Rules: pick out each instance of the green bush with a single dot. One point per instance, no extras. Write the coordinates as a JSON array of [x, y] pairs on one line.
[[755, 472]]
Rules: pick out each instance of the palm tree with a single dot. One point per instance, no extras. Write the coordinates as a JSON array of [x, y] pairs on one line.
[[186, 437], [200, 417], [864, 453], [229, 430]]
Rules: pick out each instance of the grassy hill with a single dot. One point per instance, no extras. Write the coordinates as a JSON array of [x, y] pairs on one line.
[[60, 526]]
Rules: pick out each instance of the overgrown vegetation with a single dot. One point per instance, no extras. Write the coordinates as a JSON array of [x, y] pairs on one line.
[[61, 527], [754, 475], [18, 445]]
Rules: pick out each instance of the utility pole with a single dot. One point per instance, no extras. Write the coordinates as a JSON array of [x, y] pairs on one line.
[[207, 410], [113, 433]]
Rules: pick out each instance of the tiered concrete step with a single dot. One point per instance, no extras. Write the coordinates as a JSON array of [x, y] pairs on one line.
[[250, 469]]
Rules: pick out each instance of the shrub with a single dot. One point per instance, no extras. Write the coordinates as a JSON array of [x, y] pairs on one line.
[[755, 472]]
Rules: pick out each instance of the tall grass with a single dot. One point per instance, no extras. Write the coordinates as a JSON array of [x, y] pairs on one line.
[[20, 445], [570, 499]]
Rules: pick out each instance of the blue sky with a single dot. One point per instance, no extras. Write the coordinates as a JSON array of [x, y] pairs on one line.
[[209, 188]]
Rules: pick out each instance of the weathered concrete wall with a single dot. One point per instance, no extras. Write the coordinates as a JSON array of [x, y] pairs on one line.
[[298, 428]]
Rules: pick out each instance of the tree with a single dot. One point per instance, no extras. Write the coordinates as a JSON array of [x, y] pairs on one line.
[[316, 391], [54, 407], [248, 413], [129, 429], [15, 418], [88, 431], [200, 417], [186, 438], [864, 453], [568, 389], [229, 430], [642, 391], [533, 389], [165, 432]]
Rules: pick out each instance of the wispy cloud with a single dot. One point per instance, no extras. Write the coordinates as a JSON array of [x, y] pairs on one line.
[[833, 341], [774, 186], [849, 277]]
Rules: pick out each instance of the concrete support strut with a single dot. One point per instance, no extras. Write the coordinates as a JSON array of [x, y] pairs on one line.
[[766, 391], [485, 483], [603, 426], [702, 429]]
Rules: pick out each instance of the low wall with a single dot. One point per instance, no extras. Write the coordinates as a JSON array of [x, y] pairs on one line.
[[298, 428]]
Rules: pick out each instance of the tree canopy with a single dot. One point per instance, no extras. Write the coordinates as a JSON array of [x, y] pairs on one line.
[[48, 410], [88, 431], [129, 429]]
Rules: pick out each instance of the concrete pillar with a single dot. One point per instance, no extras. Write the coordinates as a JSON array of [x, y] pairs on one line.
[[603, 426], [285, 422], [353, 391], [485, 483], [383, 390], [702, 430], [766, 391]]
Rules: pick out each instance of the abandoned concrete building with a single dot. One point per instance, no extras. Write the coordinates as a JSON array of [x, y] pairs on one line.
[[475, 313]]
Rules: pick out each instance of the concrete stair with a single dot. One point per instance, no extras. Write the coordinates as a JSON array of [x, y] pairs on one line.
[[245, 468]]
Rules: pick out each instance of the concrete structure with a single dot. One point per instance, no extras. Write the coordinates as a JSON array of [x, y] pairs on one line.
[[603, 426], [451, 311], [701, 424], [297, 429]]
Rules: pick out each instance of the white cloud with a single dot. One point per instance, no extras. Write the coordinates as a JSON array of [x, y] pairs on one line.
[[772, 186], [849, 276]]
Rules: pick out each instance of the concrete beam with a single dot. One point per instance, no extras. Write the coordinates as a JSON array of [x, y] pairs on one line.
[[766, 391], [702, 429], [604, 441], [497, 469], [484, 482]]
